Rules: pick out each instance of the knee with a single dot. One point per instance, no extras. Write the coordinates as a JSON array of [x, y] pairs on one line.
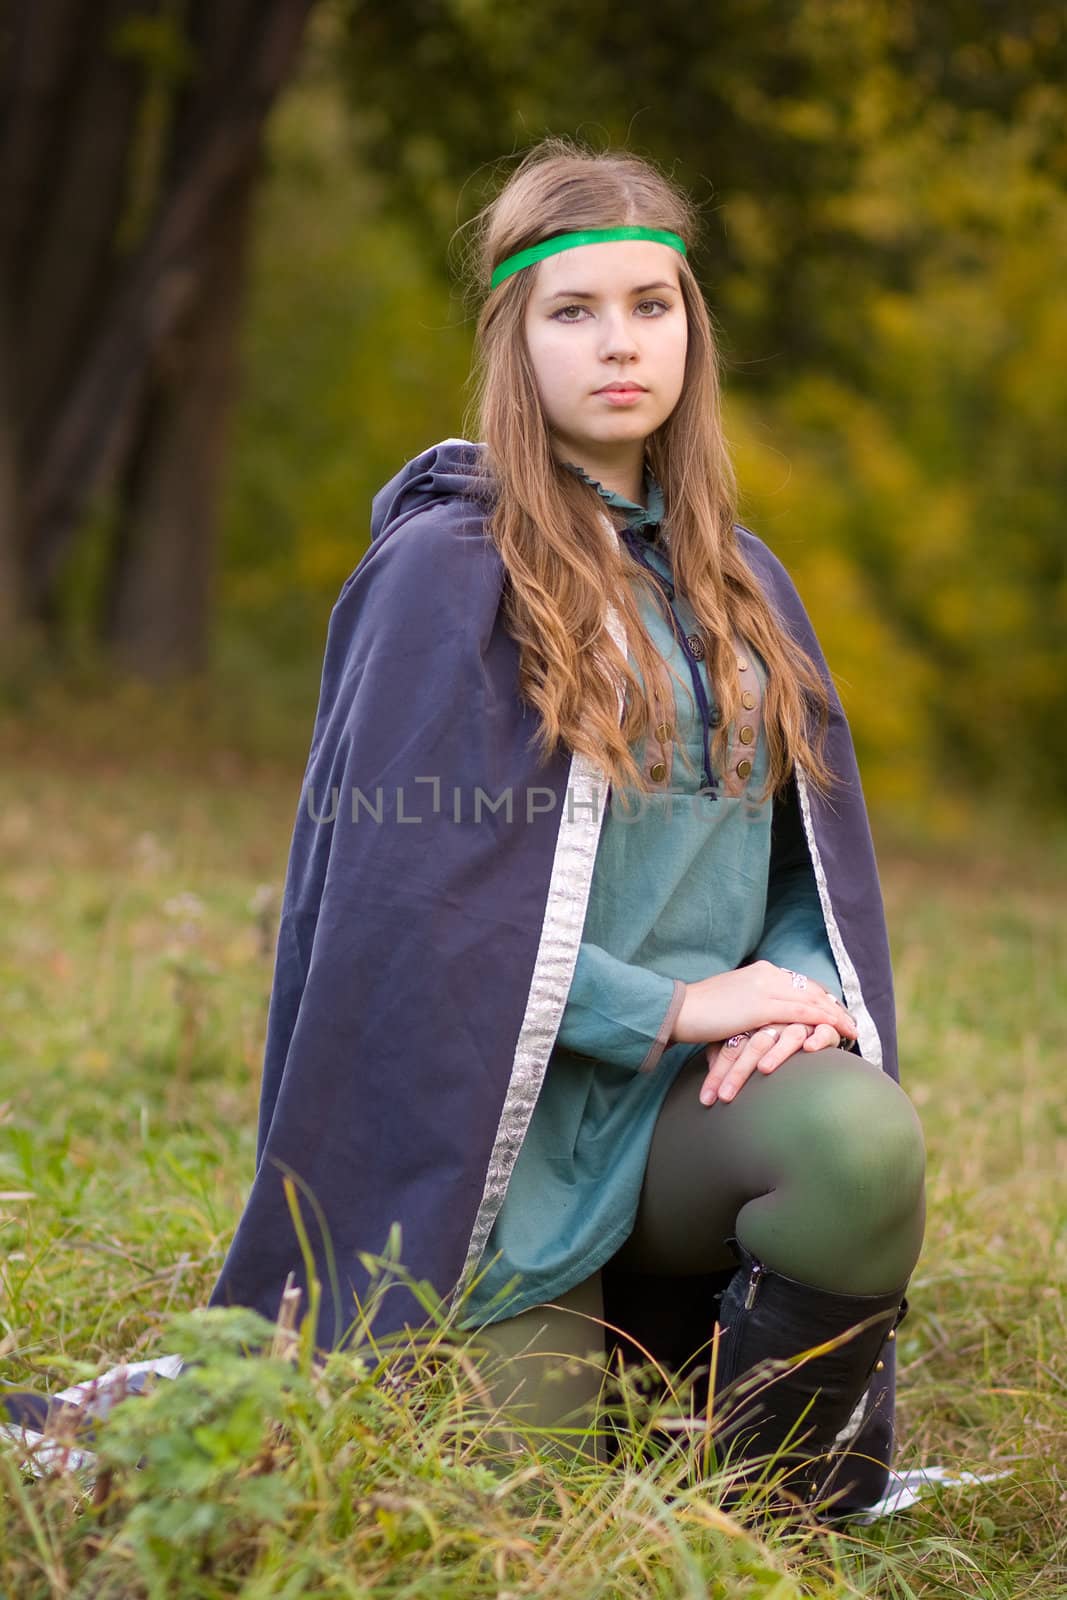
[[869, 1136]]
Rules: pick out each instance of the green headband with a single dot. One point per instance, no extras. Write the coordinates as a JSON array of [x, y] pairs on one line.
[[571, 241]]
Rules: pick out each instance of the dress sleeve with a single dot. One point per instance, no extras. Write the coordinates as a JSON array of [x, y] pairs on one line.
[[618, 1012], [794, 933]]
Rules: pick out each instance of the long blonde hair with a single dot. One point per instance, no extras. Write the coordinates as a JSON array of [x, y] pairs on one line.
[[547, 522]]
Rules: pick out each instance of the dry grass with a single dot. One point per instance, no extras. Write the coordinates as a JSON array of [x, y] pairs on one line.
[[138, 908]]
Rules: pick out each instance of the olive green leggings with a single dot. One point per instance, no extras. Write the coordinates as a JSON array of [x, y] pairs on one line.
[[817, 1168]]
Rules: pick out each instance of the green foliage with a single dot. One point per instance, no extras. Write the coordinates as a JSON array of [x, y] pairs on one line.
[[884, 194], [886, 208], [194, 1459]]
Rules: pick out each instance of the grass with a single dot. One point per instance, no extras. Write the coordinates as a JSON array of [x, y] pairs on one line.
[[138, 904]]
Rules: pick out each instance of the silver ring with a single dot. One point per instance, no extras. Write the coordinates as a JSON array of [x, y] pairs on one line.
[[738, 1038], [797, 979]]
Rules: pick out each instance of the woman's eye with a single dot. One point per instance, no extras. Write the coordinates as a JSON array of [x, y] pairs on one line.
[[647, 308]]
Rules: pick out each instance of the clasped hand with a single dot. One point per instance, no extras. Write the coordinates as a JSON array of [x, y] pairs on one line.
[[757, 1018]]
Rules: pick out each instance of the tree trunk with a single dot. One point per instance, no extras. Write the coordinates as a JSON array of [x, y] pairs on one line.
[[68, 107], [157, 606], [130, 133], [11, 599]]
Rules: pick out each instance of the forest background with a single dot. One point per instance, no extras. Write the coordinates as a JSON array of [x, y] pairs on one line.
[[192, 423]]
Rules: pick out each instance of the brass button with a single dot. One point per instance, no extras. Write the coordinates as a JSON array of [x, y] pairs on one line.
[[879, 1366], [748, 700], [747, 735], [891, 1334], [743, 768], [696, 644], [658, 771], [664, 731], [742, 664]]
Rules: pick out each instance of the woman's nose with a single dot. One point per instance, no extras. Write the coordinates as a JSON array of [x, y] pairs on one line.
[[616, 336]]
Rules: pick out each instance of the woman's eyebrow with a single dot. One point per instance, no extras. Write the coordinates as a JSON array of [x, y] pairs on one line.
[[586, 294]]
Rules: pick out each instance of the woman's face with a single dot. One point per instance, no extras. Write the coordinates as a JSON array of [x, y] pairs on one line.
[[600, 316]]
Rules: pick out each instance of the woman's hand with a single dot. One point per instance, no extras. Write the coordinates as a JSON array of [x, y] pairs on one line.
[[731, 1064], [752, 997]]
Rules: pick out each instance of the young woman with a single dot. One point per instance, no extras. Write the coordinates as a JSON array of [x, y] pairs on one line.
[[582, 976]]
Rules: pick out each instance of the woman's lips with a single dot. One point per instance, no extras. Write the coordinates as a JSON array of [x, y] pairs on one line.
[[621, 397]]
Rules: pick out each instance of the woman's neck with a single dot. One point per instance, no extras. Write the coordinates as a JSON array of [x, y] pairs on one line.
[[623, 478]]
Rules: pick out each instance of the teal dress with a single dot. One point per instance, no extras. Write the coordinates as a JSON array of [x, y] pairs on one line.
[[683, 887]]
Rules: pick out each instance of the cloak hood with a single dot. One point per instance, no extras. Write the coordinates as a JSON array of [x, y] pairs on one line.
[[450, 471]]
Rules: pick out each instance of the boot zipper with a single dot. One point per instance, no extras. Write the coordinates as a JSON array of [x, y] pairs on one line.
[[758, 1269]]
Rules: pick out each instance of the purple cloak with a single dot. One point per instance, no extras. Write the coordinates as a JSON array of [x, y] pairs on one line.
[[434, 903]]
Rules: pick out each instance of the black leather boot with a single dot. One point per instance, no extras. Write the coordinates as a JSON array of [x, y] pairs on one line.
[[801, 1405]]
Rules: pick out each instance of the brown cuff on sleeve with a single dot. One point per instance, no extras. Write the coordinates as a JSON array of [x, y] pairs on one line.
[[666, 1028]]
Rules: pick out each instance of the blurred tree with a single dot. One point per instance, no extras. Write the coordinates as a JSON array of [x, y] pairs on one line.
[[756, 93], [769, 111], [130, 135]]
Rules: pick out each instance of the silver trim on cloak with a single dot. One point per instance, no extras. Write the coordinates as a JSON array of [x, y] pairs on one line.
[[557, 954], [581, 820], [869, 1042]]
